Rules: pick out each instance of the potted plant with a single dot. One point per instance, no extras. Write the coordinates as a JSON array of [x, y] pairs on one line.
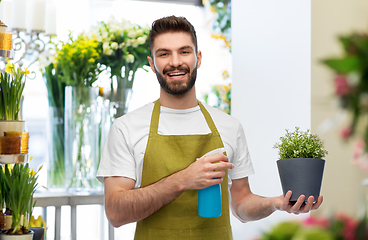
[[20, 183], [300, 163], [12, 83]]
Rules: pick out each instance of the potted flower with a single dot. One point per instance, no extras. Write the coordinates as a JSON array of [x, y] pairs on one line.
[[12, 83], [19, 185], [300, 163]]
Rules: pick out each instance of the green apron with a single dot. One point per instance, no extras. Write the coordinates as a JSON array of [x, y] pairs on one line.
[[179, 220]]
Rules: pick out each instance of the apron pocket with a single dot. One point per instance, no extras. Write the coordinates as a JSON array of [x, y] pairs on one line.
[[220, 233]]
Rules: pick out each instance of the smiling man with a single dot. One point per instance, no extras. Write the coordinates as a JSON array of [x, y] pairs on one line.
[[149, 163]]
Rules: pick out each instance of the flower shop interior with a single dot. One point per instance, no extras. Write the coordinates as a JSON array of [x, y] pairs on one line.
[[273, 65]]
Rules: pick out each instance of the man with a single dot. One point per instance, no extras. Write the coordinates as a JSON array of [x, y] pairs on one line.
[[149, 165]]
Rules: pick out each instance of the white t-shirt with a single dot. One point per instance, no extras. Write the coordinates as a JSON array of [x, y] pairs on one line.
[[125, 146]]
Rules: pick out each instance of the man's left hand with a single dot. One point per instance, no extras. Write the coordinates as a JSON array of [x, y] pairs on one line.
[[300, 206]]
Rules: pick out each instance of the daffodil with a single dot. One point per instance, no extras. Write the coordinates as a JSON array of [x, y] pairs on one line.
[[10, 68]]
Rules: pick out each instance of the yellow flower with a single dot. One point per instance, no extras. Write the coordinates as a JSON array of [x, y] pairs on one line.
[[225, 74], [9, 68], [91, 60], [26, 72], [32, 172]]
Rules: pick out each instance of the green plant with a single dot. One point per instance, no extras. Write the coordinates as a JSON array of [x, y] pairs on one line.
[[20, 183], [12, 83], [300, 144]]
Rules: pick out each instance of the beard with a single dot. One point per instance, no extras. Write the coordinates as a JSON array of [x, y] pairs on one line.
[[177, 88]]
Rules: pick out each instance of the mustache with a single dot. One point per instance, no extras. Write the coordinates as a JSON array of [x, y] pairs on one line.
[[171, 69]]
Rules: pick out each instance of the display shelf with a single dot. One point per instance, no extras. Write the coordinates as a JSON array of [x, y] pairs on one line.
[[14, 158]]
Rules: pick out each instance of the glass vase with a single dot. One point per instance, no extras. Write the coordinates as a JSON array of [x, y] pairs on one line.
[[119, 102], [56, 141], [81, 138]]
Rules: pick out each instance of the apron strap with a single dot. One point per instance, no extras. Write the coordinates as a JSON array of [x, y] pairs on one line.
[[156, 116]]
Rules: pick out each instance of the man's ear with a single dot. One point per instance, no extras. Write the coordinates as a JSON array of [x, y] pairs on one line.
[[199, 59], [150, 60]]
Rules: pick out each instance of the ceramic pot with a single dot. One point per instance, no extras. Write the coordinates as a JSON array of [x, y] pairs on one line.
[[301, 176], [38, 233], [28, 236]]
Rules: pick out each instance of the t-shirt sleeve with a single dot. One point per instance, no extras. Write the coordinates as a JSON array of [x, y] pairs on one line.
[[243, 166], [117, 158]]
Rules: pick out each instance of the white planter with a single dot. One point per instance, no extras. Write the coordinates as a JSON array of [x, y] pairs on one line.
[[11, 126], [27, 236]]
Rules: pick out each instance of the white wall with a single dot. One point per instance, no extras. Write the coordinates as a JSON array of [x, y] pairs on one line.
[[271, 86]]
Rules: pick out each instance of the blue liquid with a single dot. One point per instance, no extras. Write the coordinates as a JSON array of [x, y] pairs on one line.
[[209, 202]]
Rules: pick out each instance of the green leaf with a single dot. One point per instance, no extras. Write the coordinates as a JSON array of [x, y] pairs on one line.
[[343, 65]]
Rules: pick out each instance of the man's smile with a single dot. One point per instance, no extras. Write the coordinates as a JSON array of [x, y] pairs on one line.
[[177, 75]]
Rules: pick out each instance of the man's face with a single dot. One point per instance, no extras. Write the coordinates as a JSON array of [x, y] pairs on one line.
[[175, 62]]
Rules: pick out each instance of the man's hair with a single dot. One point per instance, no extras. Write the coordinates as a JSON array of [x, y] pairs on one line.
[[172, 24]]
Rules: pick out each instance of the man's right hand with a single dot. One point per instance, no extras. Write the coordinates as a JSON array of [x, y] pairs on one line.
[[204, 172]]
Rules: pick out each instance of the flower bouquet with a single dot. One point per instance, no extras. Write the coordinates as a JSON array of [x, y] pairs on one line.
[[124, 48], [78, 67]]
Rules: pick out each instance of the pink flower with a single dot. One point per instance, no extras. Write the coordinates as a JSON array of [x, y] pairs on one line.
[[316, 221], [346, 132], [341, 86]]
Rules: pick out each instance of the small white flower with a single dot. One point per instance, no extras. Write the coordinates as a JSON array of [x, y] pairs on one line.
[[132, 33], [122, 45], [142, 40], [128, 43], [134, 43], [104, 35], [114, 45], [139, 32], [129, 58]]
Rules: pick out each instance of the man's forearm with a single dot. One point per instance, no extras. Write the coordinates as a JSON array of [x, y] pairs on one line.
[[134, 205], [254, 208]]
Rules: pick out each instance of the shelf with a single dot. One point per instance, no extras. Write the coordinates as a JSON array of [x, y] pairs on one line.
[[14, 158]]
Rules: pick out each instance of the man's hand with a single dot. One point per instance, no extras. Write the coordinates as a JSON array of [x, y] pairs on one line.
[[282, 203], [204, 172]]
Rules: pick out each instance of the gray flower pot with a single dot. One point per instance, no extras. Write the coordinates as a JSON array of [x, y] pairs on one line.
[[301, 176]]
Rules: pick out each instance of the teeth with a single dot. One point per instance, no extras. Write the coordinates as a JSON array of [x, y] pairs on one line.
[[176, 74]]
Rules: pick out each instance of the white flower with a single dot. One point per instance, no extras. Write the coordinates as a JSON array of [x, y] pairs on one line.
[[107, 49], [139, 32], [132, 33], [134, 43], [104, 35], [114, 45], [129, 58], [142, 40], [128, 43]]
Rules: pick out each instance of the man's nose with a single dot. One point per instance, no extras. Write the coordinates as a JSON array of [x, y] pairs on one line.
[[175, 60]]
